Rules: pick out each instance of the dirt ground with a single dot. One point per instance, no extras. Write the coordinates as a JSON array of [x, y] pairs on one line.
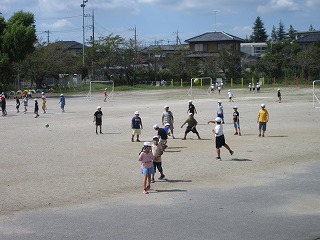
[[68, 164]]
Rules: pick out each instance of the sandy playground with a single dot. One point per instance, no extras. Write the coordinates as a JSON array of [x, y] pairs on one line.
[[68, 164]]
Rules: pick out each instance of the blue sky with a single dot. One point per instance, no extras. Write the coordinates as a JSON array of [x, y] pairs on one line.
[[159, 20]]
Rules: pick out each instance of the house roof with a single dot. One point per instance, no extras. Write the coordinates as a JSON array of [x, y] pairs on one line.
[[68, 44], [214, 37], [166, 48], [310, 38]]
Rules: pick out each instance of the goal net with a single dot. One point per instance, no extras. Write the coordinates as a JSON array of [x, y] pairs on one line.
[[316, 93], [200, 82], [100, 87]]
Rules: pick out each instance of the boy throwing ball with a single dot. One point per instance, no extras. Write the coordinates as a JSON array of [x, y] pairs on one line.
[[220, 140]]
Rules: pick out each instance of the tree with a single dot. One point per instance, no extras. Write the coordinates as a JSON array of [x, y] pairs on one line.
[[17, 39], [229, 61], [274, 36], [281, 33], [259, 33], [311, 29], [291, 33]]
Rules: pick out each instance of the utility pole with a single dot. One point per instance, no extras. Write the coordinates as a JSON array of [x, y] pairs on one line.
[[93, 52], [178, 41], [83, 5], [215, 20], [48, 36]]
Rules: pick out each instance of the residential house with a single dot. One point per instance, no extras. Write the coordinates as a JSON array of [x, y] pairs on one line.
[[304, 39]]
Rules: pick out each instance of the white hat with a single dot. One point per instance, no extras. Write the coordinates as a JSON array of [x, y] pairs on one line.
[[235, 107], [155, 126], [229, 90], [61, 94], [263, 105], [136, 112], [218, 119], [278, 89], [42, 93], [155, 137], [35, 99], [166, 106], [98, 107], [219, 101], [167, 124], [147, 144], [190, 101], [190, 114]]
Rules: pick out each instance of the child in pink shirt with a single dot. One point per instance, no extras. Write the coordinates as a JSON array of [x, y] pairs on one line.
[[146, 158]]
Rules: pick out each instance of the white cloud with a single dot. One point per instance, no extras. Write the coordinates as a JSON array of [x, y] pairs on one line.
[[59, 24], [278, 5], [312, 3], [241, 31]]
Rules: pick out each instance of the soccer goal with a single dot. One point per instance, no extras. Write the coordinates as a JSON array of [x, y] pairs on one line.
[[316, 93], [203, 81], [100, 87]]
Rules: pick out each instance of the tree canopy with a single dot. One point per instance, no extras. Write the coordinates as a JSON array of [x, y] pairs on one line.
[[259, 33]]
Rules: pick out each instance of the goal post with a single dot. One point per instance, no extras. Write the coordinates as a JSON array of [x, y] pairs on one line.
[[316, 93], [200, 81], [107, 84]]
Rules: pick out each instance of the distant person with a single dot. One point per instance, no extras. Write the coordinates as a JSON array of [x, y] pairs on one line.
[[36, 108], [157, 151], [250, 87], [191, 127], [105, 94], [220, 140], [147, 168], [62, 102], [236, 120], [220, 111], [97, 119], [167, 117], [17, 103], [136, 126], [191, 108], [43, 102], [3, 104], [25, 103], [263, 118], [258, 86], [211, 88], [253, 87], [279, 95], [219, 89], [230, 95]]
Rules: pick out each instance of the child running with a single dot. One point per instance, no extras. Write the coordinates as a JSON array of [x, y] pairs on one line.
[[146, 157], [17, 103], [44, 102], [105, 94], [157, 151], [220, 140], [236, 121]]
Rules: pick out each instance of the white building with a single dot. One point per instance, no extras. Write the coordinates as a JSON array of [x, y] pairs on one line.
[[253, 49]]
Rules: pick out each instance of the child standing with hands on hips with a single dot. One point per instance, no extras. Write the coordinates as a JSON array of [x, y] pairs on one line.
[[146, 159]]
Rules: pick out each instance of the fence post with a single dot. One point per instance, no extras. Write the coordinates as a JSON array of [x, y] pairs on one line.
[[242, 82], [181, 82]]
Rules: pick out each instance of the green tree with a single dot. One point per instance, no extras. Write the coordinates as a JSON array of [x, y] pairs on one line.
[[274, 36], [259, 33], [281, 33], [291, 33], [229, 61]]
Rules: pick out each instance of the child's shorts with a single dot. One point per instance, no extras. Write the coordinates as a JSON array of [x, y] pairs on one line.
[[263, 126], [220, 141], [220, 115], [236, 124], [147, 171], [136, 131], [157, 165]]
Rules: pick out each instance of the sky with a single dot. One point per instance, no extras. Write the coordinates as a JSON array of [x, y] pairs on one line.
[[160, 21]]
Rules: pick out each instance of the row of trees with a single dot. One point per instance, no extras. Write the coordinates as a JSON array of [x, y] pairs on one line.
[[259, 33], [113, 57]]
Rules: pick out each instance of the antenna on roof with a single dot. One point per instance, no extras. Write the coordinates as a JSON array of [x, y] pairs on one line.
[[215, 20]]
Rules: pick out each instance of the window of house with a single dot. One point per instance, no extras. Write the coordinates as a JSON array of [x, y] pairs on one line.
[[198, 47]]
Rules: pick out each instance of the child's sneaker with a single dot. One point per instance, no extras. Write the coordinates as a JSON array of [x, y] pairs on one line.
[[218, 158], [231, 152], [145, 192], [152, 180], [147, 188], [162, 177]]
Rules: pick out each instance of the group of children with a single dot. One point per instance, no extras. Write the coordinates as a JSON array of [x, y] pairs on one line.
[[25, 102]]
